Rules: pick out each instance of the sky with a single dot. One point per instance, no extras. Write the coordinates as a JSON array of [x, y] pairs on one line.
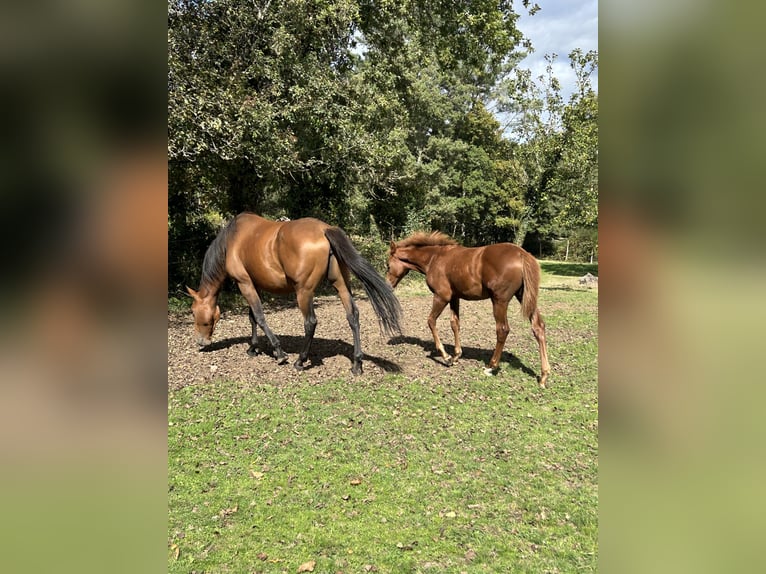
[[559, 27]]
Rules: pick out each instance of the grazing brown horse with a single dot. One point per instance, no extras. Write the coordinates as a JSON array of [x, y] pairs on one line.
[[498, 272], [281, 257]]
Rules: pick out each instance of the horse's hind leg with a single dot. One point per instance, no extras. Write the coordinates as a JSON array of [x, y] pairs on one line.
[[500, 311], [538, 330], [340, 280], [454, 306], [306, 305]]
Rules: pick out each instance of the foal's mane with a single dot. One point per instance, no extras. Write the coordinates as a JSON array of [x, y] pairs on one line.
[[422, 239]]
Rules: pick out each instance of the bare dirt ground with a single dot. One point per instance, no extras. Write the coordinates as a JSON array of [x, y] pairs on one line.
[[411, 355]]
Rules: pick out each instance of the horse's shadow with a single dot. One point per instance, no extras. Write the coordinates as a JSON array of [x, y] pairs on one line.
[[320, 349], [472, 353]]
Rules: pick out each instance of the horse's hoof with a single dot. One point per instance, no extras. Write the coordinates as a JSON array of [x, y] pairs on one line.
[[490, 372], [282, 359], [253, 351], [298, 366], [356, 370], [448, 361]]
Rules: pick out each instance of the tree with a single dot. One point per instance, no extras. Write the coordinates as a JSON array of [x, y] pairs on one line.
[[555, 161], [576, 177], [371, 115], [535, 110]]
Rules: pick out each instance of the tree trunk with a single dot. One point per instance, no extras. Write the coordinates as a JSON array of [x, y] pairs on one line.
[[566, 255], [521, 233]]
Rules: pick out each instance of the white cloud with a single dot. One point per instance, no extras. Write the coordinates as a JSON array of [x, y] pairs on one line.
[[559, 27]]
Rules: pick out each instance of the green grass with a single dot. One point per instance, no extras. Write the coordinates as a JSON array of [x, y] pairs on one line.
[[486, 474]]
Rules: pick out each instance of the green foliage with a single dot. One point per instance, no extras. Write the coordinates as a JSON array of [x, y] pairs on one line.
[[576, 177], [374, 249]]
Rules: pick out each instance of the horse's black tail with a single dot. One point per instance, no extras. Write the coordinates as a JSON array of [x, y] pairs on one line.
[[384, 302]]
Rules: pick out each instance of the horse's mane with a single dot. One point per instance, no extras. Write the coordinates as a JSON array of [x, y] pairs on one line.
[[422, 238], [214, 264]]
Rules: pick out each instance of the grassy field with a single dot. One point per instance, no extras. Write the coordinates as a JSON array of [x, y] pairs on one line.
[[392, 474]]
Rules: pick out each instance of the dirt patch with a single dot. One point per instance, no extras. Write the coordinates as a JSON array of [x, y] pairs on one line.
[[411, 355]]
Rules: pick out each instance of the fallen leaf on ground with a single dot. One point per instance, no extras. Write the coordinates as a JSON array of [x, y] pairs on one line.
[[228, 511], [307, 566]]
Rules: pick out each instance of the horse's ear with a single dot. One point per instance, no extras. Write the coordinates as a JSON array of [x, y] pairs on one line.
[[192, 292]]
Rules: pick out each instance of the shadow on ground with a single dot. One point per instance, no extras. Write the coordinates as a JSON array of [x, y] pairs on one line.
[[320, 349], [471, 353]]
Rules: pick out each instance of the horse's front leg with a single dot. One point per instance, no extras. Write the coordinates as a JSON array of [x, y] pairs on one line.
[[256, 308], [436, 309], [306, 305]]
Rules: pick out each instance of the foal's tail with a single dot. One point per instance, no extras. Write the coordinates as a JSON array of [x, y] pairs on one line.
[[530, 275], [382, 298]]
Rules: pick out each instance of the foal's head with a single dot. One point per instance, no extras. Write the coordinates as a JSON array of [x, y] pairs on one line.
[[402, 256], [396, 267], [206, 314]]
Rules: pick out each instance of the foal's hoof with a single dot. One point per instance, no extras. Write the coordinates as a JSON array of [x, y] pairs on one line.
[[490, 372], [253, 351], [448, 361], [298, 365], [281, 357], [356, 369]]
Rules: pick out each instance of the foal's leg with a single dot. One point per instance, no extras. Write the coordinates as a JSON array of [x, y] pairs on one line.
[[340, 280], [500, 311], [454, 321], [538, 330], [249, 293], [306, 305], [436, 309], [253, 350]]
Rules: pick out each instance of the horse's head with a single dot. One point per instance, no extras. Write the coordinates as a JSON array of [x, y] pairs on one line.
[[206, 314], [396, 267]]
